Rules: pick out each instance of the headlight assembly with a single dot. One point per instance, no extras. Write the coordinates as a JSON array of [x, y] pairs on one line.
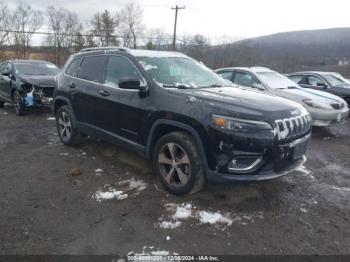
[[239, 125], [315, 104]]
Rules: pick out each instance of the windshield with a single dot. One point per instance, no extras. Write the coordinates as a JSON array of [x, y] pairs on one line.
[[36, 69], [334, 80], [276, 80], [181, 72]]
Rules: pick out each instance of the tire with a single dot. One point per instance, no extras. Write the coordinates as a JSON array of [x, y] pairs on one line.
[[18, 103], [180, 172], [2, 103], [66, 127]]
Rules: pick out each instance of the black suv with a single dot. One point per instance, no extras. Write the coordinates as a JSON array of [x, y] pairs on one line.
[[177, 112], [27, 83]]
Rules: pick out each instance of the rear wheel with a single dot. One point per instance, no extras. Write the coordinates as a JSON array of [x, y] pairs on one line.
[[66, 126], [18, 102], [178, 164]]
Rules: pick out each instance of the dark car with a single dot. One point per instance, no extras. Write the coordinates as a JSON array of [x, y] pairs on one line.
[[27, 83], [324, 81], [169, 108]]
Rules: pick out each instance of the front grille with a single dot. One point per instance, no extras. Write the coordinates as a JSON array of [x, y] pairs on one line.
[[291, 128], [338, 105]]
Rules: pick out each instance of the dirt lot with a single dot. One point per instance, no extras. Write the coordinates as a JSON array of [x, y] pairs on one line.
[[45, 210]]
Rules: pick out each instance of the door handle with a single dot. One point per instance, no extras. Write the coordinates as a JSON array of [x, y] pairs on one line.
[[72, 85], [103, 93]]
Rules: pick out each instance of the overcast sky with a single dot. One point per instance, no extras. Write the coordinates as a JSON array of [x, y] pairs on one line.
[[235, 18]]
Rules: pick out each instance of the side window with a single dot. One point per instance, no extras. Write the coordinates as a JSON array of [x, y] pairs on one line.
[[92, 69], [226, 75], [73, 68], [314, 81], [120, 68], [296, 79], [245, 79]]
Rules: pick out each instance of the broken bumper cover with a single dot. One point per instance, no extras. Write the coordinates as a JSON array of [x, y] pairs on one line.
[[282, 160], [265, 175]]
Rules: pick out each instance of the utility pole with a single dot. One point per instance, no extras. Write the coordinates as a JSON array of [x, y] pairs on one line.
[[177, 8]]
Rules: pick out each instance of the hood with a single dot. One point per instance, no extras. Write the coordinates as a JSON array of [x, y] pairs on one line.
[[251, 103], [39, 80], [299, 94]]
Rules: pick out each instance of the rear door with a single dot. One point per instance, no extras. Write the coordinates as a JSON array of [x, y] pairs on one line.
[[85, 87]]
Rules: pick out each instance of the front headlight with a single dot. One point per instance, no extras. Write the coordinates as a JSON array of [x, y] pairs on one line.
[[315, 104], [240, 125]]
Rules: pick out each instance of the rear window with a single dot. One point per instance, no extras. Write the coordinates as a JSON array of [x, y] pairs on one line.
[[93, 69]]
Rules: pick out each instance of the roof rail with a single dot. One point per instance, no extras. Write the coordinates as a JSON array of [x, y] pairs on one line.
[[90, 49]]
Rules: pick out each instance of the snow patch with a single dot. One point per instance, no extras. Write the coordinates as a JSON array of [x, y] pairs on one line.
[[98, 172], [170, 224], [206, 217], [51, 118], [126, 188], [179, 213], [112, 194]]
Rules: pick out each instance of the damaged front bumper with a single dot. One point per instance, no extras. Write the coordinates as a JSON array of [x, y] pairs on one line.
[[38, 97], [271, 162]]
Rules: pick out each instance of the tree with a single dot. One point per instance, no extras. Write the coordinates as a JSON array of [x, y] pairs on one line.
[[104, 26], [25, 21], [4, 22], [130, 27], [65, 27]]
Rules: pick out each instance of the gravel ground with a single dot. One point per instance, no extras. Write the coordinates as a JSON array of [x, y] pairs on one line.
[[46, 210]]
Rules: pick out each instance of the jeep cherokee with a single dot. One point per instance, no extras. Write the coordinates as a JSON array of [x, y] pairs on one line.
[[169, 108]]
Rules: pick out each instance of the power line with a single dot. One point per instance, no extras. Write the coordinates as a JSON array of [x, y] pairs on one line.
[[177, 8]]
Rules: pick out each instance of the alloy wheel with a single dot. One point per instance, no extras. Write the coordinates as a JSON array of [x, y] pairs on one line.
[[174, 164], [65, 126]]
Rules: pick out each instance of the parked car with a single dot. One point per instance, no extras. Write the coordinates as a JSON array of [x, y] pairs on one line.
[[325, 108], [169, 108], [325, 81], [27, 83]]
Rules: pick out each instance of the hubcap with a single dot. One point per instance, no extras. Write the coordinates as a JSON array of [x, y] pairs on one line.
[[64, 126], [174, 164]]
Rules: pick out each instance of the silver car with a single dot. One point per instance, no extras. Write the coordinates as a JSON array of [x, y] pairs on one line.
[[326, 109]]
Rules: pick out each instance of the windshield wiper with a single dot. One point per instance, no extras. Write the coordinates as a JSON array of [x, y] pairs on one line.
[[212, 86], [177, 86]]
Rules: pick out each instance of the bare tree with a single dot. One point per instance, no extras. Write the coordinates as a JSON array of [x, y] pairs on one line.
[[131, 26], [4, 22], [66, 27], [158, 39], [25, 21], [104, 26]]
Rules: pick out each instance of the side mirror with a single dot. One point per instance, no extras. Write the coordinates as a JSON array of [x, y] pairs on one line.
[[258, 86], [129, 83], [322, 85], [133, 84]]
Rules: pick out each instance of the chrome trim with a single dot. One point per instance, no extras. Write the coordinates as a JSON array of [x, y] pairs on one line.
[[252, 166]]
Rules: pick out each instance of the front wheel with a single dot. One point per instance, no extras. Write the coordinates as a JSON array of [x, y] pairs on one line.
[[178, 164], [18, 102], [66, 127]]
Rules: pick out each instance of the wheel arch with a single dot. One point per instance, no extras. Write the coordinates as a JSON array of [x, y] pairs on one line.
[[59, 102], [163, 126]]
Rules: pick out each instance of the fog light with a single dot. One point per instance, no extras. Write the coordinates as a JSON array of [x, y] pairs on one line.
[[244, 164]]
